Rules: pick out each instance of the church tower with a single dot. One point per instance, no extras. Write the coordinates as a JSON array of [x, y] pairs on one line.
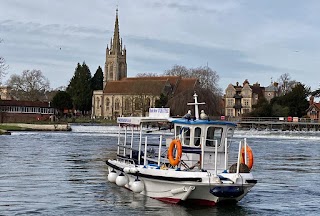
[[116, 59]]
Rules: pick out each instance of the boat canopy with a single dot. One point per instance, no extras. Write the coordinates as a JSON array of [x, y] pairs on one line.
[[139, 120], [201, 122]]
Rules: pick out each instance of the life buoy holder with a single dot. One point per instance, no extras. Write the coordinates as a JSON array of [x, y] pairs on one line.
[[174, 161], [249, 155]]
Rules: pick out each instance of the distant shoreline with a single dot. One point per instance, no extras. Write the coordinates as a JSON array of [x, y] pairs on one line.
[[6, 128]]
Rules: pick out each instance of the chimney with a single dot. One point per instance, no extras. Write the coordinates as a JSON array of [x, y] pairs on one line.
[[311, 101]]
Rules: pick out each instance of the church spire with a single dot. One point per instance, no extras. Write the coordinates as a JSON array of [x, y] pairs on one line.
[[115, 67], [116, 35]]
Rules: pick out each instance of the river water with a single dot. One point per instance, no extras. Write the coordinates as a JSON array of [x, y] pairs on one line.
[[64, 173]]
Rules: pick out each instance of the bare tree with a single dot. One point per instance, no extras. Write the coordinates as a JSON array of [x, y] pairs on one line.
[[207, 89], [286, 83], [178, 70], [212, 106], [146, 75], [208, 78], [30, 85], [3, 66]]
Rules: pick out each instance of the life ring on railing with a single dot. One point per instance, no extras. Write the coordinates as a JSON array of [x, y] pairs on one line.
[[249, 155], [175, 144]]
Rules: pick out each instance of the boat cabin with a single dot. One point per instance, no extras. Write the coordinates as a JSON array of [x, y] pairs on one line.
[[203, 137]]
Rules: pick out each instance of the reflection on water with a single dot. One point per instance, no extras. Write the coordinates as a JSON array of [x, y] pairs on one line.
[[65, 174]]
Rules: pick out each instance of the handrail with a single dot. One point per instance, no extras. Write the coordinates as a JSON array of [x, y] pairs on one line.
[[271, 119], [159, 152]]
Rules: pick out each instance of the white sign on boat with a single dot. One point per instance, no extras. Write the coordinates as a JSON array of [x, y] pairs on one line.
[[128, 120], [159, 112]]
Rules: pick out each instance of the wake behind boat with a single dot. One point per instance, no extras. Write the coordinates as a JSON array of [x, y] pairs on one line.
[[193, 166]]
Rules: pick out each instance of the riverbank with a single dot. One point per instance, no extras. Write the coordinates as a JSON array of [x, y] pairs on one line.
[[5, 128]]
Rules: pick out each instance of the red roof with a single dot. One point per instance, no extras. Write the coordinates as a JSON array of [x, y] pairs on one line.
[[317, 105], [150, 85], [135, 87], [23, 103]]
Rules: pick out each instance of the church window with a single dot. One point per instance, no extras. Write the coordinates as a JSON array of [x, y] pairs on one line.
[[111, 71], [98, 103], [117, 104], [137, 103], [147, 102], [107, 104], [127, 104]]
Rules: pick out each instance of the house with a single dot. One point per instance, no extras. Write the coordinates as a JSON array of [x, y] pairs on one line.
[[24, 111], [314, 110], [5, 93], [239, 100]]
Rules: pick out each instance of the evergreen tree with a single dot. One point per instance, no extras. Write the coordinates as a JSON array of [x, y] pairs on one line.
[[62, 100], [162, 101], [97, 80], [80, 89]]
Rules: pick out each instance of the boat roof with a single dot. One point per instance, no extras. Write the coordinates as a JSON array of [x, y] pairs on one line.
[[201, 122], [139, 120]]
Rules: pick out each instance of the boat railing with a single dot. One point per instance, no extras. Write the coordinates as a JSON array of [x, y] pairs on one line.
[[242, 144], [125, 146]]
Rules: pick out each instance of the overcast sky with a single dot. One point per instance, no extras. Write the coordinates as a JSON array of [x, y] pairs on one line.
[[254, 40]]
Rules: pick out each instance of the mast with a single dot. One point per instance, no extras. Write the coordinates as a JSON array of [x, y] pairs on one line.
[[196, 107]]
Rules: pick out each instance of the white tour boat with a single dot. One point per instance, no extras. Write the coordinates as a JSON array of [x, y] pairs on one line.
[[191, 166]]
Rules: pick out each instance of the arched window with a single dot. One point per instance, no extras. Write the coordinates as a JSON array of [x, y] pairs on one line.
[[107, 104], [137, 103], [147, 104], [98, 102], [111, 71], [117, 104], [127, 104]]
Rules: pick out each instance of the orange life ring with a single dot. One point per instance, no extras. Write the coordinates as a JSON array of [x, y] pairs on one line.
[[175, 144], [249, 155]]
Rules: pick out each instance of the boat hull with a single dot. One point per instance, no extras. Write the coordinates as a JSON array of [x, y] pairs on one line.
[[199, 188]]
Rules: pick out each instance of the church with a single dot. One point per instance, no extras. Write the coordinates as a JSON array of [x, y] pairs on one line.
[[124, 96]]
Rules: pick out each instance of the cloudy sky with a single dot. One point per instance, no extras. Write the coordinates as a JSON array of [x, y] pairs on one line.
[[240, 39]]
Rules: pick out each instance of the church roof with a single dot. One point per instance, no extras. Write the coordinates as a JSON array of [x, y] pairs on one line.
[[185, 84], [150, 85], [139, 86], [171, 79]]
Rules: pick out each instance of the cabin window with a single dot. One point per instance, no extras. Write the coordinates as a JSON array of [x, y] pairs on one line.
[[177, 132], [197, 136], [185, 135], [214, 133], [229, 135]]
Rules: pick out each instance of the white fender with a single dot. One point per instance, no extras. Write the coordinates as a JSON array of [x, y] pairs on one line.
[[112, 176], [133, 170], [121, 180], [137, 186], [126, 169]]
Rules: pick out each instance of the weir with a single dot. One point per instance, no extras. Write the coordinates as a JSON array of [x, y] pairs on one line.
[[276, 123]]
